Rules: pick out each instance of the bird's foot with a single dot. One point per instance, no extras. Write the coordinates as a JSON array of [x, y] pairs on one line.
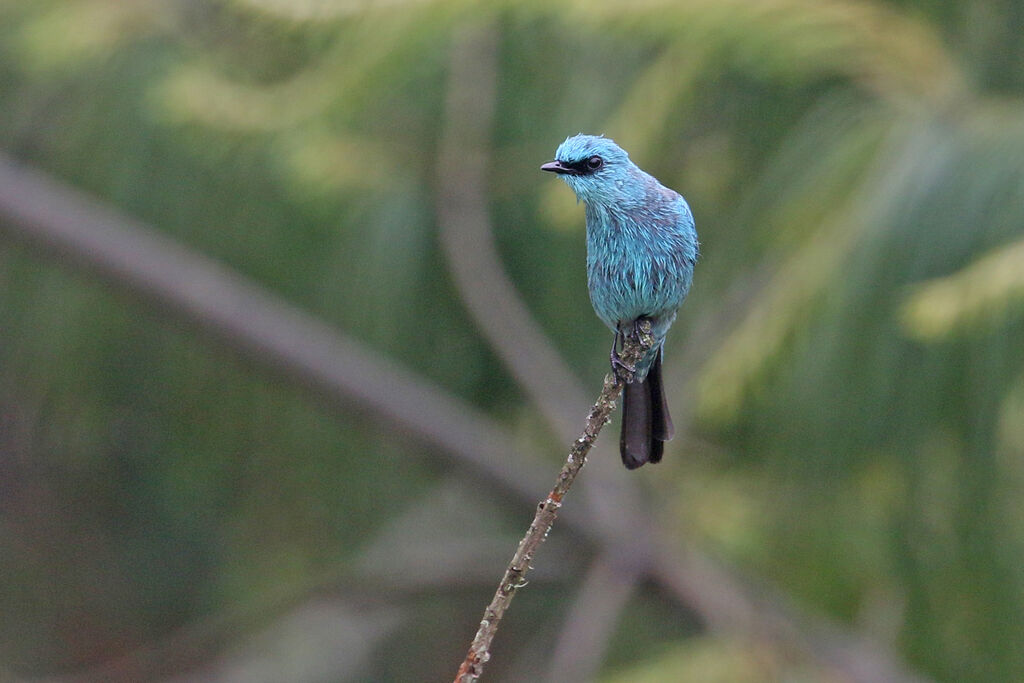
[[620, 368], [639, 327]]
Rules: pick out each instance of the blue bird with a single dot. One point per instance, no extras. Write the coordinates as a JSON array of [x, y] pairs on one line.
[[641, 249]]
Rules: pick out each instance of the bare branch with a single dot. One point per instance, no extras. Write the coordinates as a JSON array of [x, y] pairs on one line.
[[515, 574]]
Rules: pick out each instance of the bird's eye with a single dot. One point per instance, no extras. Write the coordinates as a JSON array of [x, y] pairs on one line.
[[595, 162]]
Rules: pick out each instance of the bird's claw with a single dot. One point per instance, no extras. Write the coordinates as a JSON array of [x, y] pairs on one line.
[[620, 368]]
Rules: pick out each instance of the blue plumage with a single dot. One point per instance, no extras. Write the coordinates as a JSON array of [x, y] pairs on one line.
[[641, 249]]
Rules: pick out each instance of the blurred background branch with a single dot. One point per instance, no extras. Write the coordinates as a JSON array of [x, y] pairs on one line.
[[140, 261], [463, 175]]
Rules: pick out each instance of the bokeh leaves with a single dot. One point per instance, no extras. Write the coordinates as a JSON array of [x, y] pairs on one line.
[[859, 199]]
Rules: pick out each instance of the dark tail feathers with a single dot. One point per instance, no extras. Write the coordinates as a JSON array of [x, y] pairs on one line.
[[646, 423]]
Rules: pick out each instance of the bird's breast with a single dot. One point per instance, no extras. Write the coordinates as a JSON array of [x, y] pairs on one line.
[[636, 265]]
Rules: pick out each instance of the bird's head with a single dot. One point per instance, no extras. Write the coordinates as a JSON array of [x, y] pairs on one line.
[[594, 167]]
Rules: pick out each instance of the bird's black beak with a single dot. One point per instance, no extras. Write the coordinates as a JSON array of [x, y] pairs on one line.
[[559, 168]]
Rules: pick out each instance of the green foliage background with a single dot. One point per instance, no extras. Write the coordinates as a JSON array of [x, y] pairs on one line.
[[852, 422]]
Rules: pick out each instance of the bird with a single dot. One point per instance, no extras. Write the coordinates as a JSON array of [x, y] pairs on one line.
[[641, 251]]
